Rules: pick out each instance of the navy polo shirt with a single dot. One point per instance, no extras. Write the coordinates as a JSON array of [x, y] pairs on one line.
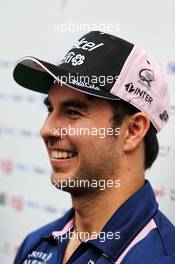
[[141, 235]]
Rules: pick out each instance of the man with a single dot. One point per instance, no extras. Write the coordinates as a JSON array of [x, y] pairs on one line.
[[103, 84]]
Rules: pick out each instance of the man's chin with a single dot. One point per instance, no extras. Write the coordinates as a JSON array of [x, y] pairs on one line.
[[62, 181], [67, 183]]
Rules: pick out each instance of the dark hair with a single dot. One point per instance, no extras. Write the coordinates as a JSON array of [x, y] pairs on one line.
[[122, 109]]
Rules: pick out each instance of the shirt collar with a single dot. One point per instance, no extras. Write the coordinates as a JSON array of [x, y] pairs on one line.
[[59, 224], [129, 219]]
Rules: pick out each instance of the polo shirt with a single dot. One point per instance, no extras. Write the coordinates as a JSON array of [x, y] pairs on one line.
[[144, 236]]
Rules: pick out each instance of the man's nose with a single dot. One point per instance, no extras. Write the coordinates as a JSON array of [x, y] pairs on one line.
[[49, 127]]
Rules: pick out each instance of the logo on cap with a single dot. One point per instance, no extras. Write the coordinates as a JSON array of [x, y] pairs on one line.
[[164, 116], [146, 77], [78, 60], [138, 92], [75, 59]]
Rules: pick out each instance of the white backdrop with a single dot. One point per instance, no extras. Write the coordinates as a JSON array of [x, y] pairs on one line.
[[38, 28]]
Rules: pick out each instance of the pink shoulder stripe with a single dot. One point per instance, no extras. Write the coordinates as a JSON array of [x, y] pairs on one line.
[[143, 233]]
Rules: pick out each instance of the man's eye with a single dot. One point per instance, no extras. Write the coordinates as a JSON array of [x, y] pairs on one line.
[[72, 113], [49, 108]]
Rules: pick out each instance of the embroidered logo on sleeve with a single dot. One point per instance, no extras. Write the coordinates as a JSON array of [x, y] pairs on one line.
[[37, 257]]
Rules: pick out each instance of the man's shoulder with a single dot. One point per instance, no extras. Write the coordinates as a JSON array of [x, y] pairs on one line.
[[167, 232], [45, 231], [159, 243], [163, 260], [55, 225]]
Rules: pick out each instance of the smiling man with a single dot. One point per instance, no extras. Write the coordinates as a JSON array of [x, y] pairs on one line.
[[78, 156], [107, 84]]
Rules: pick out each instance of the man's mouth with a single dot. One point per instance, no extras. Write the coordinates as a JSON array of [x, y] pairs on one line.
[[58, 154]]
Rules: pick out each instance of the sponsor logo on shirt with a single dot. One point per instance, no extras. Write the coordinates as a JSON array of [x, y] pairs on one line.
[[91, 262], [37, 257]]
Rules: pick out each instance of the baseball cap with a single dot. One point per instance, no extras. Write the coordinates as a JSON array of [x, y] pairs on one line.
[[105, 66]]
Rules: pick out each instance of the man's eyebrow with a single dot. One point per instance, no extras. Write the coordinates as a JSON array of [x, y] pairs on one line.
[[75, 103], [70, 103]]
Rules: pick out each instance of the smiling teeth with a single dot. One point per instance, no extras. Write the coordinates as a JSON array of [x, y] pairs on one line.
[[61, 154]]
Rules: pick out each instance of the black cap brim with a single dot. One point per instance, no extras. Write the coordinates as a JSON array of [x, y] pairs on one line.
[[38, 75]]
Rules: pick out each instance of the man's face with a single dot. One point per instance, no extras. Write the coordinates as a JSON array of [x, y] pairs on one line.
[[79, 155]]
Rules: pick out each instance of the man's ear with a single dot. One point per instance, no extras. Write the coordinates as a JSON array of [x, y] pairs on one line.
[[136, 127]]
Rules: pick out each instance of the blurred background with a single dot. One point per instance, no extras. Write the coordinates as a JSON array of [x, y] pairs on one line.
[[47, 30]]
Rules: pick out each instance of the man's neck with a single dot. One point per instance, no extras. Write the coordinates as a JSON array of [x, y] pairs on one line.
[[93, 211]]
